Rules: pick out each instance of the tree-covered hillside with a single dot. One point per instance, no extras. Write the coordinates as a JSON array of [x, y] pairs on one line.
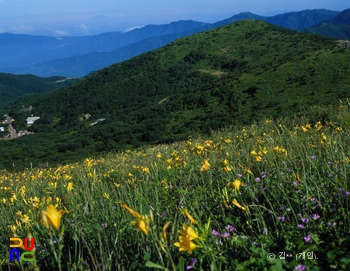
[[231, 75], [13, 87]]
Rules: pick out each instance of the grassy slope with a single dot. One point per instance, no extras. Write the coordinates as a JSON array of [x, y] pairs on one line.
[[265, 71], [295, 173]]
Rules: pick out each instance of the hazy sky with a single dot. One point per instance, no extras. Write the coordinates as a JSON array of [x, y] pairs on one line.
[[88, 17]]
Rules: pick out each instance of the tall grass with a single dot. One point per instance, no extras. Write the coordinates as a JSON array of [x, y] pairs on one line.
[[278, 188]]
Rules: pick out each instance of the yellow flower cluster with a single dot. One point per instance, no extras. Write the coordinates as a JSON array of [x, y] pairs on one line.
[[306, 127], [258, 155], [279, 150], [225, 166], [142, 169]]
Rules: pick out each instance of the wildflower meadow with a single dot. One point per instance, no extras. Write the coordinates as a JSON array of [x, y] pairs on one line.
[[271, 196]]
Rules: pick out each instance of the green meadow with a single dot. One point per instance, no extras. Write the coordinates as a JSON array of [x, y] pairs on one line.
[[273, 195]]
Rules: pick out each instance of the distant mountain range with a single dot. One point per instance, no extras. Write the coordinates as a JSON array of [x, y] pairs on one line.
[[78, 56], [336, 28]]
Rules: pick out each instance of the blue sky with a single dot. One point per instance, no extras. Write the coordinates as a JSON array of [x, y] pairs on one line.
[[89, 17]]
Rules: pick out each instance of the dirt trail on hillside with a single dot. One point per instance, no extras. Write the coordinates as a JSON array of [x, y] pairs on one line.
[[12, 132]]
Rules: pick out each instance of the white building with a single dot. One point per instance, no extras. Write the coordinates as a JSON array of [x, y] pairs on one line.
[[31, 120]]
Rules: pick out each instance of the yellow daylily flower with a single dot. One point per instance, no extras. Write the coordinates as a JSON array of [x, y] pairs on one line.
[[253, 152], [191, 219], [164, 228], [70, 186], [244, 208], [141, 225], [236, 184], [189, 232], [52, 217], [105, 195], [131, 211], [205, 165], [185, 244], [338, 129], [185, 239]]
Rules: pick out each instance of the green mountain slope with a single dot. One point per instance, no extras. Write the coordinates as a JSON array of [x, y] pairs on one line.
[[231, 75], [14, 86]]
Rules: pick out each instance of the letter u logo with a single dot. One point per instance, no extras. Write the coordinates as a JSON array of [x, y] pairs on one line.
[[31, 244]]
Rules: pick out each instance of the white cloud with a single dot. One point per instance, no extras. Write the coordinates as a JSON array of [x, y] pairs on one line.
[[22, 28], [83, 28], [60, 33], [132, 28]]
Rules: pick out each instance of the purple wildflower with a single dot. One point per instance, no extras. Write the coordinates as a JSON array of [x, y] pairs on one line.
[[230, 228], [308, 238], [226, 235], [301, 226], [281, 218], [332, 224], [216, 233], [300, 267], [305, 220], [315, 216], [192, 263], [313, 156]]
